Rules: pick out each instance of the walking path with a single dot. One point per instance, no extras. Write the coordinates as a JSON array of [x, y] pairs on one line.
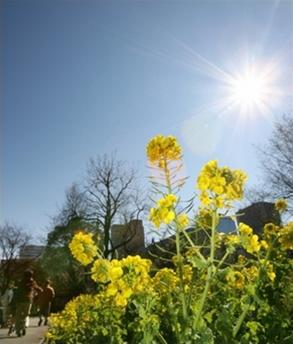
[[34, 334]]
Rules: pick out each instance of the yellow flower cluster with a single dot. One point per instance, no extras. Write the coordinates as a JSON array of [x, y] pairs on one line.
[[124, 277], [161, 149], [76, 314], [271, 230], [271, 275], [281, 205], [264, 244], [204, 218], [253, 246], [235, 279], [165, 280], [182, 220], [187, 274], [286, 236], [164, 212], [283, 234], [220, 185], [101, 270], [232, 239], [245, 229], [83, 247], [251, 273], [249, 240]]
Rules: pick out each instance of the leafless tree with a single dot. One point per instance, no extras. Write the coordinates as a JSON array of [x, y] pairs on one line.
[[112, 195], [74, 206], [276, 159], [12, 239]]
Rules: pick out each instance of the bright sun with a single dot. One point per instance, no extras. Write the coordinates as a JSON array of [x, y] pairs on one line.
[[249, 89], [252, 90]]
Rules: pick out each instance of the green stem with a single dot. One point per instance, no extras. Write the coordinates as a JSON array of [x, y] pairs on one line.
[[192, 245], [209, 272], [161, 338], [178, 251], [222, 260], [240, 320]]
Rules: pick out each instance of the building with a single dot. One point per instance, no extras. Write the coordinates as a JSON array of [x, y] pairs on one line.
[[31, 252], [128, 238]]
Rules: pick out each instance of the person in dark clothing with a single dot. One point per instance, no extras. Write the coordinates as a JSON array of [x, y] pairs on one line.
[[44, 302], [23, 299]]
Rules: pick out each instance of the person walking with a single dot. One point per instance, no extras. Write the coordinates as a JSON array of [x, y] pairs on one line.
[[44, 301], [23, 298]]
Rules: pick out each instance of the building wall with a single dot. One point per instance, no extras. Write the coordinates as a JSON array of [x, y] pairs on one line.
[[31, 251], [130, 236]]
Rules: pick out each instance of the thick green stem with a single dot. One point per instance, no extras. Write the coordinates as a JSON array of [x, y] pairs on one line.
[[178, 251], [210, 270]]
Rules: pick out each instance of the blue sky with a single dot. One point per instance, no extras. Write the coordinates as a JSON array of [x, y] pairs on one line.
[[83, 78]]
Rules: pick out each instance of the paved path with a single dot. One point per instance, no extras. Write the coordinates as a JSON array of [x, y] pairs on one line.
[[34, 334]]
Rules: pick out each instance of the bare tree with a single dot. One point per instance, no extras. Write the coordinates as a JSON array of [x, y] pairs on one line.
[[276, 158], [12, 239], [74, 206], [112, 195]]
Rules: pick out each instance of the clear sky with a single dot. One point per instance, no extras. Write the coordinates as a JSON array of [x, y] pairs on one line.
[[81, 78]]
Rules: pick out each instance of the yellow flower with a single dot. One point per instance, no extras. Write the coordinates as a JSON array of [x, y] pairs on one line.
[[205, 198], [242, 259], [253, 245], [204, 218], [111, 289], [245, 229], [219, 202], [83, 248], [182, 220], [120, 300], [100, 270], [269, 269], [167, 201], [122, 278], [115, 271], [252, 272], [127, 292], [187, 274], [219, 185], [286, 236], [249, 240], [164, 212], [235, 279], [281, 205], [239, 280], [165, 280], [155, 217], [264, 244], [271, 230], [161, 149], [203, 182], [271, 276], [232, 239], [169, 217]]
